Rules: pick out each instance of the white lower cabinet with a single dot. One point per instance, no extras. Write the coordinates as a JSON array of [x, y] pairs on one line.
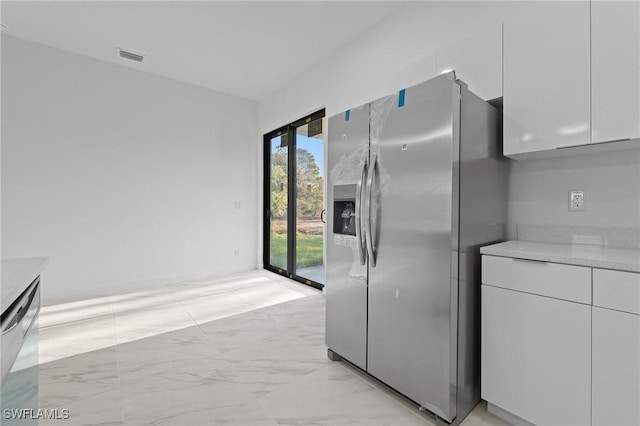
[[616, 348], [616, 368], [560, 343], [536, 356]]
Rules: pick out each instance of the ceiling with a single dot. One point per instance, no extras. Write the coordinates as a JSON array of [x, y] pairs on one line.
[[246, 49]]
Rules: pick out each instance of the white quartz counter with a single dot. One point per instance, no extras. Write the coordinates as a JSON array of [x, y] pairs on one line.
[[571, 254], [17, 274]]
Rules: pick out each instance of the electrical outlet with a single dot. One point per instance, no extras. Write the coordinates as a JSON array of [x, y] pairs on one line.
[[576, 201], [236, 252]]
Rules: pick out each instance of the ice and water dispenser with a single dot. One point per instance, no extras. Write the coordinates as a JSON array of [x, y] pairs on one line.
[[344, 209]]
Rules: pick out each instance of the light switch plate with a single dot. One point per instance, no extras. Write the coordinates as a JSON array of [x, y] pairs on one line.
[[576, 201]]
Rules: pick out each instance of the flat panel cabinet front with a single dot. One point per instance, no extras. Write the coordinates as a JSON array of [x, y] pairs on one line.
[[616, 368], [615, 49], [536, 356], [565, 282], [547, 79]]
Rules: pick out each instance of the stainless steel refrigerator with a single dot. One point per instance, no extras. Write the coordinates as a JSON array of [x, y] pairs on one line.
[[416, 185]]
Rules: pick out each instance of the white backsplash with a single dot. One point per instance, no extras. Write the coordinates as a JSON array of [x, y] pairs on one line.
[[587, 235]]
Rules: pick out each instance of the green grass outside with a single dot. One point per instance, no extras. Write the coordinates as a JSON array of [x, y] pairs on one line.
[[309, 250]]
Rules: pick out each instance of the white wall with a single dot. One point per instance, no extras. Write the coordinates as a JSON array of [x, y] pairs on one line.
[[400, 52], [123, 178], [539, 190], [396, 53]]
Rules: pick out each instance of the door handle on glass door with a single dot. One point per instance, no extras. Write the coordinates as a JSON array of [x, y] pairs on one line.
[[370, 242], [359, 234]]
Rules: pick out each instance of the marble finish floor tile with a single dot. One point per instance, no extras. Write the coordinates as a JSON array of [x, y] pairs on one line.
[[88, 385], [66, 313], [269, 294], [102, 407], [246, 349], [246, 330], [339, 398], [186, 344], [266, 369], [211, 308], [77, 337], [186, 291], [191, 403], [100, 366], [152, 321], [142, 300]]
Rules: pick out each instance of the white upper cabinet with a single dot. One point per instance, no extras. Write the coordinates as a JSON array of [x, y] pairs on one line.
[[477, 61], [615, 68], [547, 79]]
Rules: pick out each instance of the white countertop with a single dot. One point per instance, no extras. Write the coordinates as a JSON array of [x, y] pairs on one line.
[[571, 254], [17, 275]]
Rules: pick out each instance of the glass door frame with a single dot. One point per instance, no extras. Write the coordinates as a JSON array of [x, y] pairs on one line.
[[290, 131]]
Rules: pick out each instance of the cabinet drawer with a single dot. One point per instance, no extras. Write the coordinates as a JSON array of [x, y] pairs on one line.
[[617, 290], [565, 282]]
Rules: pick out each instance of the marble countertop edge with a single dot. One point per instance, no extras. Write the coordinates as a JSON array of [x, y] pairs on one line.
[[620, 259]]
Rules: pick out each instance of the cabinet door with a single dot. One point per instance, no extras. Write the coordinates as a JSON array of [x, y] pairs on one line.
[[547, 79], [536, 357], [477, 61], [616, 368], [615, 49]]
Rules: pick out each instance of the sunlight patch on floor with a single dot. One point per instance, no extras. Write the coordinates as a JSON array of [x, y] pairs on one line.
[[73, 328]]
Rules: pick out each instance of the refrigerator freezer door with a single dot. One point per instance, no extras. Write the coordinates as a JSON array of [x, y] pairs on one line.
[[412, 345], [346, 282]]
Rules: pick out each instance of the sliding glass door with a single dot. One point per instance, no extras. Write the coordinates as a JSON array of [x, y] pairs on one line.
[[294, 200], [278, 202], [309, 235]]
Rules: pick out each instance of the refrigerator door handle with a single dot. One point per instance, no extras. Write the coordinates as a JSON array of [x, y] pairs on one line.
[[359, 231], [370, 242]]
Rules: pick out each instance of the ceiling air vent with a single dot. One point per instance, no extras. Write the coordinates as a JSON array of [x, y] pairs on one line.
[[130, 55]]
